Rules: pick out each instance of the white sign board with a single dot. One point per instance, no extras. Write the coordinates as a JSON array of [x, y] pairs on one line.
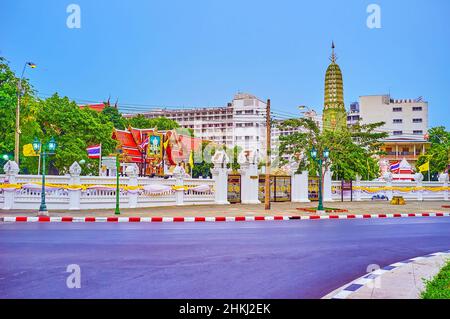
[[109, 162]]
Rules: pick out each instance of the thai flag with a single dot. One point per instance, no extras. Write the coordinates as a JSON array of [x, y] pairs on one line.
[[144, 144], [395, 166], [94, 151]]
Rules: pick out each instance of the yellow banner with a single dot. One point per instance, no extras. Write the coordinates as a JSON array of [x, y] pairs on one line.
[[29, 151]]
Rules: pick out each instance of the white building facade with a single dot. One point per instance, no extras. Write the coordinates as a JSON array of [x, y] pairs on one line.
[[406, 122], [402, 117], [241, 123]]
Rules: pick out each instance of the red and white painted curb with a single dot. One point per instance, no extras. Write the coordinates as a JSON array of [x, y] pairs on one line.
[[208, 219]]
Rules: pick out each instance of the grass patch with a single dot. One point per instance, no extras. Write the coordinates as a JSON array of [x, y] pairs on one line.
[[439, 286]]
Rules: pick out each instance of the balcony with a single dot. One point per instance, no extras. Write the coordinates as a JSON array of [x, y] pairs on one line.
[[400, 155]]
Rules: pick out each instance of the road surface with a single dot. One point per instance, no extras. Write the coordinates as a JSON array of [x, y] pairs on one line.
[[287, 259]]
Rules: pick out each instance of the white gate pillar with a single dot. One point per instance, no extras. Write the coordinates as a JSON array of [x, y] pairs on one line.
[[220, 176], [327, 195], [299, 187], [249, 183]]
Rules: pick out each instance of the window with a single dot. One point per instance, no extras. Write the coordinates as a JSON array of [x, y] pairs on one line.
[[238, 112], [417, 120], [397, 121], [398, 132], [417, 108], [418, 132], [397, 109]]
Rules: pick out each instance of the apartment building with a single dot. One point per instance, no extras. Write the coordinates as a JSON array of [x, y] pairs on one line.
[[406, 122], [241, 122]]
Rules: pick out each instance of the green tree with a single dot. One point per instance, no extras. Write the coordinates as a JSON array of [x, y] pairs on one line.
[[74, 129], [8, 101], [438, 154], [115, 117], [161, 123], [352, 150], [203, 168]]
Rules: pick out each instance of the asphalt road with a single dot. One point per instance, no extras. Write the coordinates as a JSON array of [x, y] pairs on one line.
[[289, 259]]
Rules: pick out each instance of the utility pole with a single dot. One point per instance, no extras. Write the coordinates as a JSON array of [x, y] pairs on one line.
[[17, 130], [268, 161]]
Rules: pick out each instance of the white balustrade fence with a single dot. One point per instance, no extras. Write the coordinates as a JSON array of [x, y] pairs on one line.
[[410, 190], [93, 192], [74, 192]]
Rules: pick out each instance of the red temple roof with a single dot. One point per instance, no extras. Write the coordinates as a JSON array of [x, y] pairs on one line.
[[95, 107]]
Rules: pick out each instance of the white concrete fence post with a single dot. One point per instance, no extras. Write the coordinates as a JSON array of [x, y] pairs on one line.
[[74, 193], [132, 173], [388, 178], [178, 174], [418, 177], [358, 191], [299, 187], [220, 176], [11, 171], [444, 178], [327, 194]]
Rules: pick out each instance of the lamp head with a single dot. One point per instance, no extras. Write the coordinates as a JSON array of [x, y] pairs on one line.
[[31, 65], [36, 144], [326, 153], [52, 145], [314, 153], [5, 157]]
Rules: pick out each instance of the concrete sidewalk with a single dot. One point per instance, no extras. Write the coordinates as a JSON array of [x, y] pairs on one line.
[[282, 209], [406, 281]]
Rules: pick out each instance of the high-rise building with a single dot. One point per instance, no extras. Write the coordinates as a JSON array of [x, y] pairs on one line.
[[334, 113]]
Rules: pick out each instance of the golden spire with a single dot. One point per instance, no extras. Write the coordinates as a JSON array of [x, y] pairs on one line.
[[333, 57]]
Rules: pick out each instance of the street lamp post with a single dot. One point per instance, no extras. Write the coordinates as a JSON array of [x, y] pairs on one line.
[[48, 149], [320, 158], [19, 95], [117, 212]]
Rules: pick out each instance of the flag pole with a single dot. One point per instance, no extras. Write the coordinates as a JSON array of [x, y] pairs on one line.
[[100, 160]]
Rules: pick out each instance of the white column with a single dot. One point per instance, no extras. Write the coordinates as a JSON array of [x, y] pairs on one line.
[[389, 193], [418, 177], [249, 183], [11, 171], [299, 187], [446, 192], [74, 194], [359, 191], [9, 197], [220, 177], [132, 172], [327, 195], [179, 192], [444, 178]]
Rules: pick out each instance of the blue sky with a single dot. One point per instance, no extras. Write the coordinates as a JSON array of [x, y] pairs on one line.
[[200, 53]]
